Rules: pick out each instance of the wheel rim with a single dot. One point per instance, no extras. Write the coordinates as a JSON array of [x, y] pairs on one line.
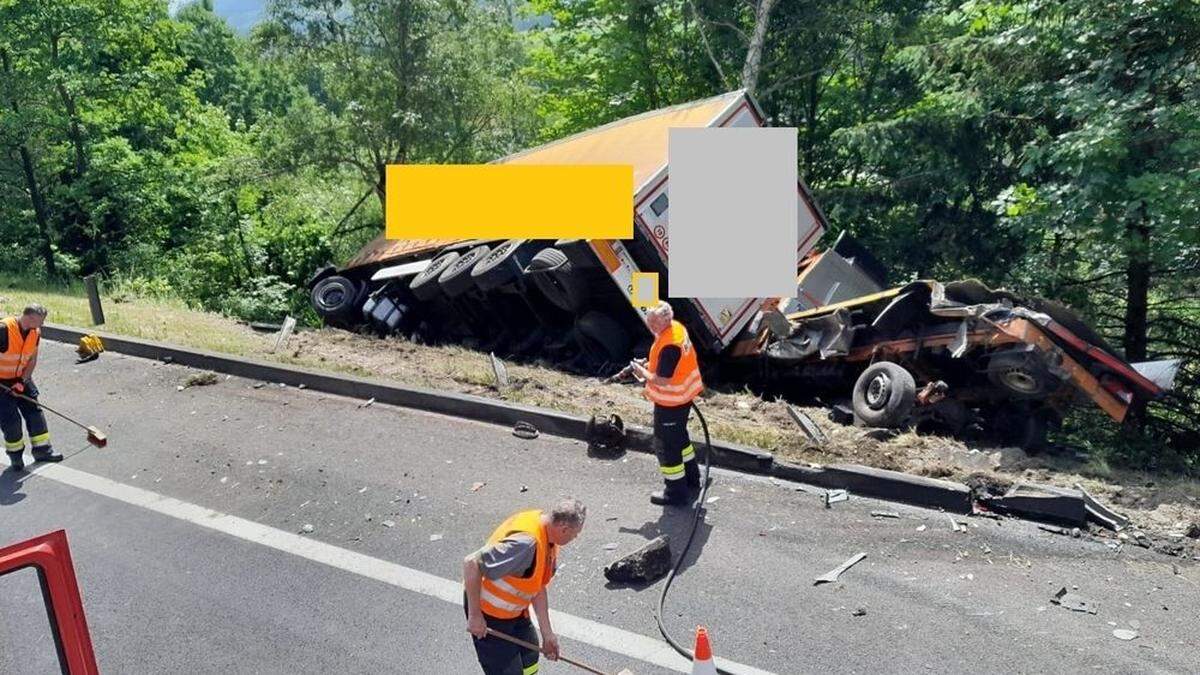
[[1020, 381], [332, 297], [879, 390]]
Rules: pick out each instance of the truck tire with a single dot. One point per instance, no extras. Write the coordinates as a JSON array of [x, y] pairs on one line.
[[336, 298], [554, 276], [499, 266], [424, 286], [456, 280], [1021, 374], [604, 340], [884, 395]]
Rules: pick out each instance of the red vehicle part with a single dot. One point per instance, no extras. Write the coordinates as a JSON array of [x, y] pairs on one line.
[[51, 557]]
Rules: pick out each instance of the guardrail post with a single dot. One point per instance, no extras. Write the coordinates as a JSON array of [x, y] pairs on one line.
[[93, 294]]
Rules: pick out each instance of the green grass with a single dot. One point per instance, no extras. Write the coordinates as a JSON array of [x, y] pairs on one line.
[[156, 319]]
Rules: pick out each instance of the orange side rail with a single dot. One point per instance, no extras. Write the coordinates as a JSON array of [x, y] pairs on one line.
[[51, 557]]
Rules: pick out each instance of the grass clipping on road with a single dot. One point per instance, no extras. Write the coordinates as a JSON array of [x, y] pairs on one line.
[[1159, 503]]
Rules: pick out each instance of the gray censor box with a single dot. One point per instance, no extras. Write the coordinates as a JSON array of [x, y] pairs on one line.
[[734, 213]]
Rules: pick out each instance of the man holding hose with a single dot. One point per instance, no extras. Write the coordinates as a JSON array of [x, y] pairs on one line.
[[19, 337], [672, 378]]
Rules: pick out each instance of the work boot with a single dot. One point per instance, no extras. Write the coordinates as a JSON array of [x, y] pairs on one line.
[[17, 460], [46, 454], [671, 496]]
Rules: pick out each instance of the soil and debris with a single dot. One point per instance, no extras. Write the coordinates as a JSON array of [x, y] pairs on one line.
[[1166, 506]]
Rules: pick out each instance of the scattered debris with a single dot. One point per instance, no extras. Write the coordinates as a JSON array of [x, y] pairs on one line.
[[367, 403], [832, 575], [1101, 514], [308, 528], [861, 611], [499, 372], [524, 488], [841, 414], [834, 496], [259, 385], [199, 380], [605, 435], [1073, 601], [920, 528], [476, 487], [644, 565], [525, 430], [956, 526], [1054, 529], [810, 427], [435, 537], [388, 523], [884, 514], [1125, 634], [881, 435], [611, 546], [285, 332]]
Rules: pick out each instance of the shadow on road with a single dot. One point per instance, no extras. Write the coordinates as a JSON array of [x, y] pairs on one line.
[[675, 523], [10, 486]]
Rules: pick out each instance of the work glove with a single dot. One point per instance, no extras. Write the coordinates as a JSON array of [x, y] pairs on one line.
[[17, 387]]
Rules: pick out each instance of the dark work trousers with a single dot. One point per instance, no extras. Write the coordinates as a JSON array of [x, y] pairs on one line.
[[12, 410], [676, 455], [500, 657]]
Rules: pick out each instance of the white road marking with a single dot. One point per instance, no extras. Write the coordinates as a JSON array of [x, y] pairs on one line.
[[610, 638]]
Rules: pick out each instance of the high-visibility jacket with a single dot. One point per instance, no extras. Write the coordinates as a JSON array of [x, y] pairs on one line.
[[685, 384], [509, 597], [15, 360]]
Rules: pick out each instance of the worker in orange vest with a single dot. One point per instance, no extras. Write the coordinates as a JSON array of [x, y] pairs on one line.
[[672, 379], [510, 573], [19, 337]]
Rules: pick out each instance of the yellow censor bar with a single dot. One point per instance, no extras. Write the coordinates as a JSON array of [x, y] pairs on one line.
[[510, 201]]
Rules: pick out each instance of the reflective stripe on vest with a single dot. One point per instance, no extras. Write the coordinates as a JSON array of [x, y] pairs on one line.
[[685, 384], [509, 597], [15, 360]]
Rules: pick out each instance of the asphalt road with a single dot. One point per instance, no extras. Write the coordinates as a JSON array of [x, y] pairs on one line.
[[167, 590]]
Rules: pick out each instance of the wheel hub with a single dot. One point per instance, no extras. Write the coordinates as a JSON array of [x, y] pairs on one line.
[[879, 391], [1019, 380]]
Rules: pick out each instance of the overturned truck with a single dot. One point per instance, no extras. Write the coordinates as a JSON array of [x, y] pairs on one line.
[[569, 302]]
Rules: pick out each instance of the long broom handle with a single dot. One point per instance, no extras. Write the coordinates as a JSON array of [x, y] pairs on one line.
[[39, 404], [530, 645]]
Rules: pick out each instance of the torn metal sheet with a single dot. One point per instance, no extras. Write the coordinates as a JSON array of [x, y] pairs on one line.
[[1073, 601], [834, 496], [1100, 513], [806, 423], [832, 575], [827, 336], [1161, 373]]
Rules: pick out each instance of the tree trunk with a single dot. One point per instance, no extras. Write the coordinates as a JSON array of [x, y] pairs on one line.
[[35, 190], [1137, 292], [758, 39], [75, 129]]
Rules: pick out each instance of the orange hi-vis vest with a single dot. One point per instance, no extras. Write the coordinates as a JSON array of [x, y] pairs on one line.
[[685, 384], [21, 349], [509, 597]]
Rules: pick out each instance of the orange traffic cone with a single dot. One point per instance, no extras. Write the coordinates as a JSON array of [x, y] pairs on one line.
[[702, 661]]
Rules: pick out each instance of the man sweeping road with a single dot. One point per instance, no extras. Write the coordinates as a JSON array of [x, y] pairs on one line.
[[672, 378], [19, 337], [510, 573]]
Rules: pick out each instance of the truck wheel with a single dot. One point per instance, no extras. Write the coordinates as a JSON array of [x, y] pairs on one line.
[[424, 286], [602, 338], [1020, 373], [336, 298], [456, 280], [498, 267], [553, 275], [884, 395]]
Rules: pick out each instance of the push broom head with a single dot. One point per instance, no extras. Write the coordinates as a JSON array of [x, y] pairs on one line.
[[96, 437]]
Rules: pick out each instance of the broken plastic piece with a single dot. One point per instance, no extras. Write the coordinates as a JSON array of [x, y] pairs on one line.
[[1073, 601], [832, 575]]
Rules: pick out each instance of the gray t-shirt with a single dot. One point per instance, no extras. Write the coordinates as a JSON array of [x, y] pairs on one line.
[[515, 555]]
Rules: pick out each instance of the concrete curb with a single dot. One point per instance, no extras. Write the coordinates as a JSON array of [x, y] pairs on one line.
[[862, 480]]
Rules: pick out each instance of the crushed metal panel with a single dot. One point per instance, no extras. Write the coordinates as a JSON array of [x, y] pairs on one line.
[[382, 249], [1161, 373]]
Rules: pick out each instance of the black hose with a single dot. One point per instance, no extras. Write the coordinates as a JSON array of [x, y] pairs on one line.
[[698, 510]]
